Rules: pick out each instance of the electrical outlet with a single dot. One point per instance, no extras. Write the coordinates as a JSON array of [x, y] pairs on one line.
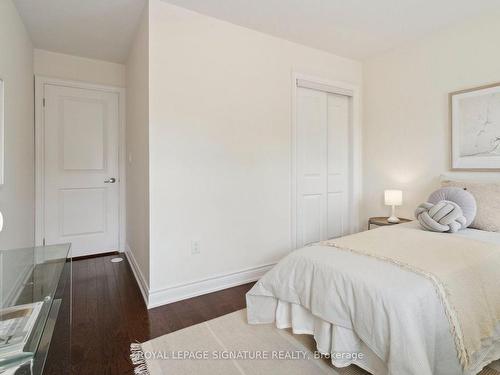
[[195, 247]]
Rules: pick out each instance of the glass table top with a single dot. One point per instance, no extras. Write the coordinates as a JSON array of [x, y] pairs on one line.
[[28, 282]]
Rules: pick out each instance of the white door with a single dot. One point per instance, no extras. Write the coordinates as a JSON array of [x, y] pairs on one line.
[[322, 166], [338, 186], [81, 194]]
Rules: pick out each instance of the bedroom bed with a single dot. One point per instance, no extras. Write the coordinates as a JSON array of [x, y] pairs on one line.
[[352, 303]]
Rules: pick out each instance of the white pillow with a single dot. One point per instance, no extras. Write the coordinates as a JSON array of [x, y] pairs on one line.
[[487, 196]]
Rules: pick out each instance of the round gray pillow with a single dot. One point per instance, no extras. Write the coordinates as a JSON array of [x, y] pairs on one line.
[[444, 216], [461, 197], [447, 210]]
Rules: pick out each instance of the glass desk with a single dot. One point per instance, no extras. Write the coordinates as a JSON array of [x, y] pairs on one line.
[[35, 286]]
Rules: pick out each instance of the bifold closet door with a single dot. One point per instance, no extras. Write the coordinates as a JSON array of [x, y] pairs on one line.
[[322, 160]]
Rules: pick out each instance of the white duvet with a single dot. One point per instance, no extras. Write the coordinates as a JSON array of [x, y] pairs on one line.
[[353, 303]]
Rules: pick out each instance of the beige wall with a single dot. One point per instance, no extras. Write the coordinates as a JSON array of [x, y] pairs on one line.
[[138, 148], [16, 69], [74, 68], [406, 126], [220, 146]]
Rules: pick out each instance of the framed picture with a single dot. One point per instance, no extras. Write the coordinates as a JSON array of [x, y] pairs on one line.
[[2, 130], [475, 127]]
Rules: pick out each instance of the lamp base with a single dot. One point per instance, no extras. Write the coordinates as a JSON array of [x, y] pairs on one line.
[[393, 219]]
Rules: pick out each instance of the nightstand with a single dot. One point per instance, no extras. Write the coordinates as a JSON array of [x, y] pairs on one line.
[[382, 221]]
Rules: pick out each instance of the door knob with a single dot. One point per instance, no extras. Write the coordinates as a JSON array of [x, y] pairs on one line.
[[110, 180]]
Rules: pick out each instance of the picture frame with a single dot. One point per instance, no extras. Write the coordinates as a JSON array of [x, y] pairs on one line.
[[2, 129], [475, 128]]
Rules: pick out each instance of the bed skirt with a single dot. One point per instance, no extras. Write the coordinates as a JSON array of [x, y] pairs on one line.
[[340, 344], [334, 339]]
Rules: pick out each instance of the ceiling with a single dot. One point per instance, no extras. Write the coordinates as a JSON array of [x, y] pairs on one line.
[[351, 28], [100, 29], [104, 29]]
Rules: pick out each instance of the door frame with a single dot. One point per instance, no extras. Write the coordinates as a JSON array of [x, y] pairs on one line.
[[353, 91], [40, 82]]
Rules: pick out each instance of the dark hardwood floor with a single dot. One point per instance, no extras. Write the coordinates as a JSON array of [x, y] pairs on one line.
[[109, 313]]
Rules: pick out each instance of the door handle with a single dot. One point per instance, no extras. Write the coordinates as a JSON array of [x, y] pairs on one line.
[[110, 180]]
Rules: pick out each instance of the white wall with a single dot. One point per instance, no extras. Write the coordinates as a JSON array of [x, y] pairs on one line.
[[220, 114], [137, 149], [75, 68], [406, 125], [16, 69]]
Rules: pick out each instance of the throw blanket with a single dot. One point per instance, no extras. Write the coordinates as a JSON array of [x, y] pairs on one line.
[[464, 272]]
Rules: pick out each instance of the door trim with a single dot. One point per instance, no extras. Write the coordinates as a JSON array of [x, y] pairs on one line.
[[355, 156], [40, 81]]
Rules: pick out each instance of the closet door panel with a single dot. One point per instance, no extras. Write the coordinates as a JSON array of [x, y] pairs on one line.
[[338, 163], [335, 220], [311, 166]]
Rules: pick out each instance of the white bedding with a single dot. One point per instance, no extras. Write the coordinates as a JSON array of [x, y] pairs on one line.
[[353, 303]]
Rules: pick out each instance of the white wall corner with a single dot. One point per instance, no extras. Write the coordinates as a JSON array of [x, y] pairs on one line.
[[141, 280], [196, 288]]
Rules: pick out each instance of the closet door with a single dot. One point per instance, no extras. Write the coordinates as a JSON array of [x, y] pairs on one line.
[[322, 161], [312, 125], [338, 196]]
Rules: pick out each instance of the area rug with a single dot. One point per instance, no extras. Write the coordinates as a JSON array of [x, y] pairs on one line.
[[228, 345]]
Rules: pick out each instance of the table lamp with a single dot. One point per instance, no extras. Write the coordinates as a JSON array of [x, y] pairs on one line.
[[393, 198]]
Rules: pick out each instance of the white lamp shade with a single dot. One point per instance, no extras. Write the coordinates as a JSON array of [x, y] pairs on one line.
[[393, 197]]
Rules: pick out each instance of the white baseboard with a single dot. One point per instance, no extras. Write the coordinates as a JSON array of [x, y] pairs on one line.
[[180, 292], [196, 288], [139, 277]]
